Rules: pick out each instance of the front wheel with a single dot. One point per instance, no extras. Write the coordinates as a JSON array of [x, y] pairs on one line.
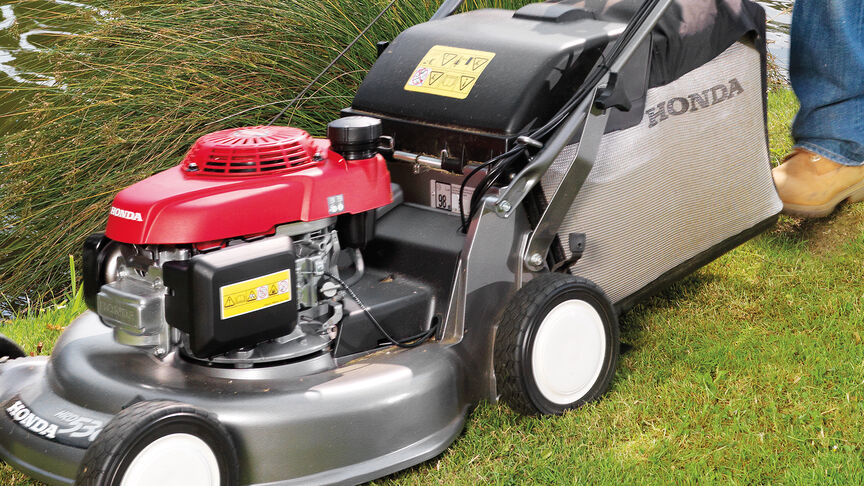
[[556, 346], [161, 443], [9, 349]]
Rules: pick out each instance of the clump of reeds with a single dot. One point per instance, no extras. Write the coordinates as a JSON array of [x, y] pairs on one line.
[[142, 86]]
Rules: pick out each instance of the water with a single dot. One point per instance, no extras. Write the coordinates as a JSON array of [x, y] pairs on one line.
[[27, 29], [779, 13]]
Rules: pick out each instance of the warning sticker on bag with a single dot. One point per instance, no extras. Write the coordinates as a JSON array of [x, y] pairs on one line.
[[255, 294], [448, 71], [446, 196]]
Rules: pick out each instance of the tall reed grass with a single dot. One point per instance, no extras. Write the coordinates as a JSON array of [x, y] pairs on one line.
[[142, 86]]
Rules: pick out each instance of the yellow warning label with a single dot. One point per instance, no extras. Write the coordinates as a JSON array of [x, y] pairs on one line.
[[448, 71], [255, 294]]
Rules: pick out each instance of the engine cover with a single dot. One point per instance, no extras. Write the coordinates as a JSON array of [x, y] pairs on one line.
[[243, 182]]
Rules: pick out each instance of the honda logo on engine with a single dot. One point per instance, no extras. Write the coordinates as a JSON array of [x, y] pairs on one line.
[[122, 213]]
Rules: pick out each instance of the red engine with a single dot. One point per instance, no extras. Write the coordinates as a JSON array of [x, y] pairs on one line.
[[246, 181]]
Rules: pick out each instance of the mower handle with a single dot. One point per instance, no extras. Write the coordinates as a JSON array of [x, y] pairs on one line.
[[588, 121], [447, 8]]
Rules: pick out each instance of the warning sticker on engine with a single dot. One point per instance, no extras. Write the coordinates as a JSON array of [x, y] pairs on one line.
[[255, 294], [446, 196], [448, 71]]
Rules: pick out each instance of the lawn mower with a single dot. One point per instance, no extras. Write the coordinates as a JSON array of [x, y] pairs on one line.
[[283, 309]]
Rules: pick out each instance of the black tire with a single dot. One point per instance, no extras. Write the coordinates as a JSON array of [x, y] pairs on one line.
[[515, 340], [130, 431], [9, 349]]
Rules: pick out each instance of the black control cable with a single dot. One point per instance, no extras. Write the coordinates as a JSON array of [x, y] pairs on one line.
[[479, 187], [501, 163], [409, 342]]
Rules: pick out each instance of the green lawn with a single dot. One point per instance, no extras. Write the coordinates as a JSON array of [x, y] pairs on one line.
[[749, 371]]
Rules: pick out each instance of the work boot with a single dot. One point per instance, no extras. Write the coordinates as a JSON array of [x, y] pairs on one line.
[[811, 186]]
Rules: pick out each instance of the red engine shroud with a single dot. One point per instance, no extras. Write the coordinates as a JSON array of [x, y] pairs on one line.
[[180, 206]]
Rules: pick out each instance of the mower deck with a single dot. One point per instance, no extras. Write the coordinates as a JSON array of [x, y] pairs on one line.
[[374, 415]]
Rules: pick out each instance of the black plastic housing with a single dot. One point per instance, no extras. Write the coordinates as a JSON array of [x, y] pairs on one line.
[[93, 261], [356, 230], [553, 12], [403, 306], [538, 64], [194, 305]]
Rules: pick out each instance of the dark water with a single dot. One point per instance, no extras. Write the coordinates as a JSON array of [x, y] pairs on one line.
[[27, 29], [779, 13]]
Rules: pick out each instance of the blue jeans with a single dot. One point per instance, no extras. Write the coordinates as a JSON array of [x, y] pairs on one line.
[[827, 72]]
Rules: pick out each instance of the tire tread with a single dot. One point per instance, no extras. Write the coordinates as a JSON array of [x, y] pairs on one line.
[[515, 323], [96, 465]]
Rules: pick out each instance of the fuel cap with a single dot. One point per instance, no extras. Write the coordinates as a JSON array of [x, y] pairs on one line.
[[354, 137]]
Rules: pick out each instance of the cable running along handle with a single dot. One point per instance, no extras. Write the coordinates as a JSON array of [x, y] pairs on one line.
[[586, 118]]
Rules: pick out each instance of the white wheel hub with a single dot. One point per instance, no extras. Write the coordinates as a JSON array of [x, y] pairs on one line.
[[568, 352], [174, 460]]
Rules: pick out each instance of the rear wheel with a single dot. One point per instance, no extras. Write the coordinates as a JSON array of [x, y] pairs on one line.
[[161, 443], [556, 346]]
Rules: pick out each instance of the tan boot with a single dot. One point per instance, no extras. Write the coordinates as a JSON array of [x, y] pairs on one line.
[[811, 186]]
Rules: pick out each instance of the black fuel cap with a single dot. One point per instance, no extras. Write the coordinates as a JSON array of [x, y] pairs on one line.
[[354, 137]]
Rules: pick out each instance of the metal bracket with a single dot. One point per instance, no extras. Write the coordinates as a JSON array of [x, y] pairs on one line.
[[577, 248], [531, 175], [568, 188], [589, 121]]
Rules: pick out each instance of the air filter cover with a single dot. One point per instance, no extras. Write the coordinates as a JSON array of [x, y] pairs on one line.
[[250, 151]]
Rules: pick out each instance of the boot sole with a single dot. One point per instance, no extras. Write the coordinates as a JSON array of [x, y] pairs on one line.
[[853, 194]]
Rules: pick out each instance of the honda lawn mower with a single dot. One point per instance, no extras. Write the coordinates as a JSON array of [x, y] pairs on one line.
[[281, 309]]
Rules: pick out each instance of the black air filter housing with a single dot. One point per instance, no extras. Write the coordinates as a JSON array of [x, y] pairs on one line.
[[498, 73], [234, 297]]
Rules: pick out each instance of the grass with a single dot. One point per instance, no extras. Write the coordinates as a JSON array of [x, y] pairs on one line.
[[749, 371], [37, 328]]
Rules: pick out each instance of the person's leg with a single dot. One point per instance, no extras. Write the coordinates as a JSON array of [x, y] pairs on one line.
[[827, 73]]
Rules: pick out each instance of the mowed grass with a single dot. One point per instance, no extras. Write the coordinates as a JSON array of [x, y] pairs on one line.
[[749, 371]]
